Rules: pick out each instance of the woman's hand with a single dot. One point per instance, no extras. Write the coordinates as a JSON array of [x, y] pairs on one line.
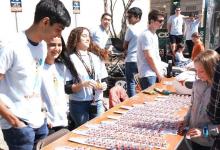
[[94, 84], [101, 86], [194, 132], [19, 124], [89, 84]]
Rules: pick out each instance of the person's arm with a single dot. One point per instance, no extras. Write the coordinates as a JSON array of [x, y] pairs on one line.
[[127, 39], [125, 47], [199, 17], [202, 48], [2, 76], [168, 27], [7, 56], [184, 28], [152, 64], [169, 24], [186, 17], [194, 52], [78, 86], [9, 116], [71, 87]]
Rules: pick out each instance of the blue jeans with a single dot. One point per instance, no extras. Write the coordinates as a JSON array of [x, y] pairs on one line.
[[79, 111], [24, 138], [146, 82], [130, 70]]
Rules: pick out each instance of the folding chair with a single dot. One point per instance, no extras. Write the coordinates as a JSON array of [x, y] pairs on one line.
[[51, 138]]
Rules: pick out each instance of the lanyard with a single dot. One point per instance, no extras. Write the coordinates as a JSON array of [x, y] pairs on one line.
[[91, 72]]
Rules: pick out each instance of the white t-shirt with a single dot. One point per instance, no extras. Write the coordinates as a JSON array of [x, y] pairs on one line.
[[177, 23], [22, 65], [131, 36], [191, 27], [86, 94], [100, 36], [53, 93], [148, 41]]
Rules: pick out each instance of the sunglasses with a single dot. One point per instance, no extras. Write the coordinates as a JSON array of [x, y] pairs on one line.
[[178, 10], [129, 16], [160, 21]]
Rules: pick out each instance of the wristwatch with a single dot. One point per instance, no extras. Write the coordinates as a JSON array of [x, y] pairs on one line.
[[205, 132]]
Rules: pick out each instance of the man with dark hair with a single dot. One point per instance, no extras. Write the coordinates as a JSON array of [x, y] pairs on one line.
[[130, 46], [100, 35], [22, 118], [175, 27], [148, 59]]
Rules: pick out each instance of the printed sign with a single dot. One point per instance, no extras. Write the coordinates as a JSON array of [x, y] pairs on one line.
[[76, 6], [16, 6]]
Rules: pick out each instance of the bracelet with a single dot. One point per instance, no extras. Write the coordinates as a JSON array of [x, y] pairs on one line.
[[205, 132]]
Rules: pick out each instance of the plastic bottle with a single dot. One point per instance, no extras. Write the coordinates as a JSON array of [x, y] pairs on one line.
[[169, 69]]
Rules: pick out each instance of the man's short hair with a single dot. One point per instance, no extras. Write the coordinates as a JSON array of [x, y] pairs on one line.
[[153, 15], [177, 7], [53, 9], [135, 11], [106, 14]]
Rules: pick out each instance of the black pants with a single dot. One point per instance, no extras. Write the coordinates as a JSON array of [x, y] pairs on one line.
[[55, 129], [216, 145], [189, 44], [196, 146]]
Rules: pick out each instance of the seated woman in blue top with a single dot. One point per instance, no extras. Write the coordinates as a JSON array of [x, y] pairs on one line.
[[180, 60]]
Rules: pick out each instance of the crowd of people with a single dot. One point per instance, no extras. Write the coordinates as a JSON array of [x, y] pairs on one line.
[[38, 70]]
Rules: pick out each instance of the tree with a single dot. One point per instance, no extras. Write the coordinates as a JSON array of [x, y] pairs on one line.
[[126, 6]]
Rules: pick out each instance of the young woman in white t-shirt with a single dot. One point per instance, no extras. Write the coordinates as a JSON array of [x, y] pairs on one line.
[[87, 86], [53, 93]]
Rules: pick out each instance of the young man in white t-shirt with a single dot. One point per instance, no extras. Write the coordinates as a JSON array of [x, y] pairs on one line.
[[22, 118], [175, 27], [130, 46], [148, 59]]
